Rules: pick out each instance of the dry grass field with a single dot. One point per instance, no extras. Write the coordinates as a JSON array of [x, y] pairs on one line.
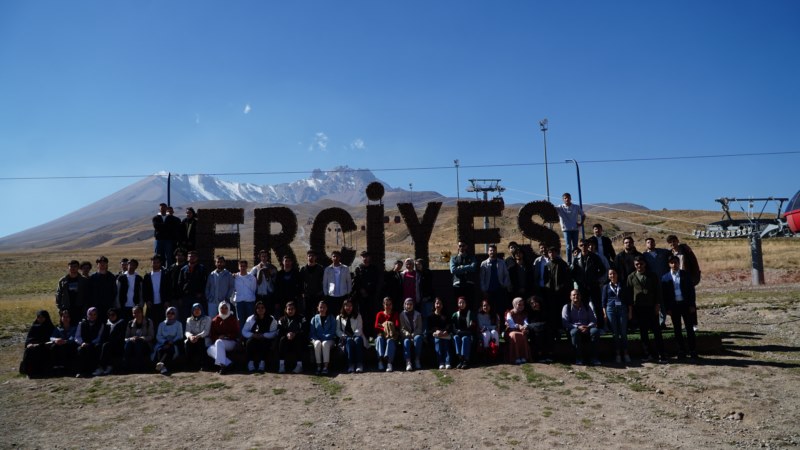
[[743, 397]]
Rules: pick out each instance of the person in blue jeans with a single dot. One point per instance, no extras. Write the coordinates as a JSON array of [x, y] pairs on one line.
[[581, 323], [387, 325], [570, 217], [464, 327], [618, 310], [439, 327], [350, 330], [411, 329]]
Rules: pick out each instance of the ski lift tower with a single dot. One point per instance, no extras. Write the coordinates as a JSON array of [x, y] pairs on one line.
[[485, 185]]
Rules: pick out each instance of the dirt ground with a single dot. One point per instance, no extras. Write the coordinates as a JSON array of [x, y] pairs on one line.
[[746, 396]]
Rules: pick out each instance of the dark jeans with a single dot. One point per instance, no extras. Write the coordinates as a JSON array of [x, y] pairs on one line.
[[541, 339], [258, 349], [167, 355], [88, 357], [680, 312], [137, 355], [648, 320], [196, 355], [578, 339], [291, 350]]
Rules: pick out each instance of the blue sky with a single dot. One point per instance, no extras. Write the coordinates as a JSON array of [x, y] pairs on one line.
[[95, 88]]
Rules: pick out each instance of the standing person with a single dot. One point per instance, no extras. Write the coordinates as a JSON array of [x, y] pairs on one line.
[[570, 216], [617, 310], [495, 282], [510, 260], [72, 292], [174, 274], [658, 263], [439, 328], [539, 276], [623, 262], [191, 285], [463, 326], [393, 283], [411, 331], [288, 283], [311, 276], [519, 275], [259, 331], [410, 286], [603, 245], [89, 338], [464, 267], [517, 323], [558, 287], [580, 322], [293, 332], [366, 280], [219, 285], [387, 324], [156, 291], [681, 302], [644, 290], [265, 274], [689, 263], [102, 289], [163, 233], [112, 347], [189, 230], [589, 273], [425, 288], [63, 347], [169, 341], [336, 282], [244, 293], [350, 330], [86, 269], [35, 359], [123, 266], [139, 338], [322, 334], [224, 334], [129, 290], [198, 337], [175, 230]]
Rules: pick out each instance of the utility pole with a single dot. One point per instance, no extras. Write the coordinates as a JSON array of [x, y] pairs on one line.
[[411, 191], [485, 185], [458, 183]]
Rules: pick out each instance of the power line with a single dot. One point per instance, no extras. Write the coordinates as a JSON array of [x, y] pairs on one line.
[[400, 169]]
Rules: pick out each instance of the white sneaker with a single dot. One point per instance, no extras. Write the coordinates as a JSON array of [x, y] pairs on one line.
[[98, 372], [441, 366], [251, 366], [417, 364], [282, 367], [298, 368], [262, 366], [408, 367], [448, 367], [389, 367], [360, 368], [380, 366], [159, 366]]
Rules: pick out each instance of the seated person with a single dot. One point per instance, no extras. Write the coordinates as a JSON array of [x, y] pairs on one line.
[[35, 360], [259, 330], [387, 324], [139, 338], [112, 347], [517, 323], [322, 333], [292, 332], [89, 339], [540, 335], [490, 326], [411, 328], [350, 330], [439, 327], [198, 337], [169, 341], [63, 347], [580, 322], [463, 327], [225, 333]]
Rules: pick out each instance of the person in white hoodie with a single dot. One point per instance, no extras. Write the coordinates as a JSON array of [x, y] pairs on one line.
[[198, 328]]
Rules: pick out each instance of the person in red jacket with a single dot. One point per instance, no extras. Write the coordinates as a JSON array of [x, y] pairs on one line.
[[387, 326], [224, 335]]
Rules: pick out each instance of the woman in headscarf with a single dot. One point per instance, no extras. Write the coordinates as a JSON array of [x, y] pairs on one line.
[[63, 346], [350, 330], [35, 360], [113, 342], [198, 330], [89, 337], [169, 340], [259, 330], [517, 322], [411, 329], [225, 332], [139, 337]]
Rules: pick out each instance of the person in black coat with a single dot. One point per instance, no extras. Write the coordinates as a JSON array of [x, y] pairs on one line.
[[680, 300], [36, 358]]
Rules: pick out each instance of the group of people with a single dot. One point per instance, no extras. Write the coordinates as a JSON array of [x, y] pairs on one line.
[[183, 311]]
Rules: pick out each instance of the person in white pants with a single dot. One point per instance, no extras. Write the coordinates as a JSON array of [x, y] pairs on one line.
[[225, 332]]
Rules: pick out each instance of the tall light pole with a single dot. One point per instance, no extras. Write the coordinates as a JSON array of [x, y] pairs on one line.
[[458, 182], [580, 196], [411, 191], [543, 126]]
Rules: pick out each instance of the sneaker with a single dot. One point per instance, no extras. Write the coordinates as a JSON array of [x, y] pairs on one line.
[[389, 367], [319, 370], [298, 368], [464, 365], [627, 358], [282, 367], [262, 366], [380, 366], [159, 366], [351, 369], [441, 366], [596, 362], [251, 366], [663, 360], [360, 368], [98, 372], [324, 371], [578, 362], [417, 364], [108, 370], [164, 371], [408, 367], [447, 367], [547, 360]]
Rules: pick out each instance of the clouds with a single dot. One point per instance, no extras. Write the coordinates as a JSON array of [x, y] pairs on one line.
[[358, 144], [319, 142], [247, 108]]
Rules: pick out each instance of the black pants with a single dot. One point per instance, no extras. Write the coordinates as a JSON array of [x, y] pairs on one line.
[[257, 349], [88, 357], [167, 355], [291, 350], [648, 320], [680, 312], [196, 356], [111, 352]]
